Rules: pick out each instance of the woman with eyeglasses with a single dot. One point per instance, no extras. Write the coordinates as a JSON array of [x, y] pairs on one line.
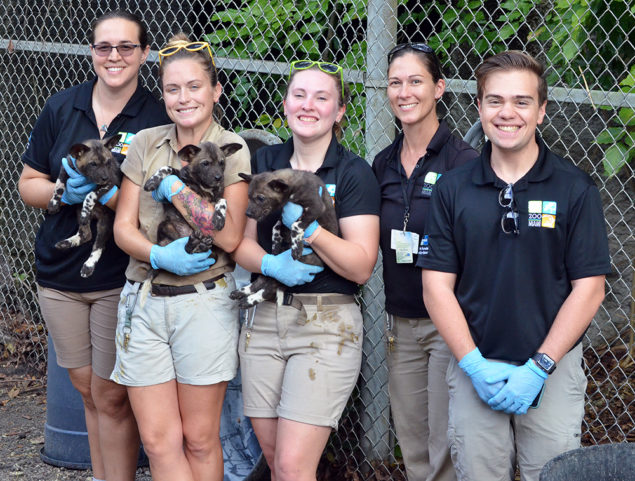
[[80, 313], [407, 171], [177, 344], [300, 358]]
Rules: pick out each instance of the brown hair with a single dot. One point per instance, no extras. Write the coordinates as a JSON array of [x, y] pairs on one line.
[[511, 60], [429, 59], [202, 56], [131, 17], [344, 95]]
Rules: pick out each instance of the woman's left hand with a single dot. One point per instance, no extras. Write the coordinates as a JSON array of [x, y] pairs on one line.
[[165, 191], [291, 212]]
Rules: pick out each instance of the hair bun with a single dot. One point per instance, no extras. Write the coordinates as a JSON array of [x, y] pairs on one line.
[[178, 39]]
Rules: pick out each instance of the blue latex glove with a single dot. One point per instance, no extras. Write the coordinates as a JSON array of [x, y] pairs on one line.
[[164, 193], [523, 385], [173, 258], [103, 200], [480, 370], [291, 212], [287, 270], [77, 186]]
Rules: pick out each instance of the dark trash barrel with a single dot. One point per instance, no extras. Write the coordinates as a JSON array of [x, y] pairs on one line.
[[65, 436], [607, 462]]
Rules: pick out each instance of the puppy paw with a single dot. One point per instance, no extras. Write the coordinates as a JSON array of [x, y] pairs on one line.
[[53, 207], [87, 270], [237, 294], [220, 213]]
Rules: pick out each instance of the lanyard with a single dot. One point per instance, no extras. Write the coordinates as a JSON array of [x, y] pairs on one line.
[[408, 189]]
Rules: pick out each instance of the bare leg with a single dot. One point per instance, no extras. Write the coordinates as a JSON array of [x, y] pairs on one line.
[[292, 449], [81, 379], [201, 408], [266, 430], [156, 409], [118, 435], [299, 447]]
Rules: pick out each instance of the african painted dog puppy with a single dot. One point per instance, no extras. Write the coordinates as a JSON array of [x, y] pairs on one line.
[[205, 175], [94, 160], [270, 191]]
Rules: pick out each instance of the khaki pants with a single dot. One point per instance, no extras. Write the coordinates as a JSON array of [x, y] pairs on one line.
[[417, 367], [487, 444]]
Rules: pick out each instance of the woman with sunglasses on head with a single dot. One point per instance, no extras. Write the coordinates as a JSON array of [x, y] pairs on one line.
[[80, 313], [300, 358], [176, 345], [407, 171]]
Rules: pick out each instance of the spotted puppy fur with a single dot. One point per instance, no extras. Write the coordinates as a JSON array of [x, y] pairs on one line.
[[94, 160], [205, 175], [268, 193]]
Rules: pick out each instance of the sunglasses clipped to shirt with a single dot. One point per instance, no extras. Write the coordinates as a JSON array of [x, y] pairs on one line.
[[326, 67], [123, 49], [190, 47], [418, 46], [510, 218]]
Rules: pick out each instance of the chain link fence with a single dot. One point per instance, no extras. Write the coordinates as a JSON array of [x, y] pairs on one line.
[[587, 45]]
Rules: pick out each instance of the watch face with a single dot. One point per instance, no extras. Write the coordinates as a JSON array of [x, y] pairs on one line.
[[544, 362]]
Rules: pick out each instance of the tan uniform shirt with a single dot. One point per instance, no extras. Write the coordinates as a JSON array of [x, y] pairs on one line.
[[152, 149]]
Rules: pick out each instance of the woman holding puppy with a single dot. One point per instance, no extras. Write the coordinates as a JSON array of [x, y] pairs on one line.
[[80, 314], [407, 171], [176, 348], [300, 359]]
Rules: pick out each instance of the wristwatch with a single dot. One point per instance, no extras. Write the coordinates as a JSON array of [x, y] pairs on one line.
[[544, 362]]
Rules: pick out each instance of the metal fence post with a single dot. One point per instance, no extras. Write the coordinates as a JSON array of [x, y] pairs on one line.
[[375, 419]]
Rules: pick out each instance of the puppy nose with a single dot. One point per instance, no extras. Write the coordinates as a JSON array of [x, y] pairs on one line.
[[218, 177]]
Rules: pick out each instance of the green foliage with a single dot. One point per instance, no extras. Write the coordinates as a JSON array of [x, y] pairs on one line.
[[283, 32], [621, 135]]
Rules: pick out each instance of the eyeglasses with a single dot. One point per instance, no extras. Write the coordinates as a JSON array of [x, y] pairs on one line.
[[326, 67], [420, 47], [123, 49], [510, 218], [190, 47]]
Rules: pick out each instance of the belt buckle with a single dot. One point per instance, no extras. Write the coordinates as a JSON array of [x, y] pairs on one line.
[[287, 299]]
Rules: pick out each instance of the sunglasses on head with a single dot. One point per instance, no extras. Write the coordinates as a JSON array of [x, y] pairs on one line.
[[123, 49], [418, 46], [326, 67], [190, 47], [510, 218]]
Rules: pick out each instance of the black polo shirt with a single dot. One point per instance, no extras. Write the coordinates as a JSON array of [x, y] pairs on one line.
[[352, 185], [402, 282], [68, 118], [510, 287]]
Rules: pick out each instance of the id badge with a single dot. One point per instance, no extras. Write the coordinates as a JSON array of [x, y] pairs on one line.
[[402, 242]]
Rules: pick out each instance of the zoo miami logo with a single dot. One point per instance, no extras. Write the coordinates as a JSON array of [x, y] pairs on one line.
[[542, 213], [428, 182], [124, 143]]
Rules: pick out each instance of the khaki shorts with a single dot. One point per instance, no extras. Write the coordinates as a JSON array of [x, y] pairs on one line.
[[301, 364], [82, 326], [188, 337]]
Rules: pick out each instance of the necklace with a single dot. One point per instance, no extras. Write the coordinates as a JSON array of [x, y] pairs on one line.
[[103, 128]]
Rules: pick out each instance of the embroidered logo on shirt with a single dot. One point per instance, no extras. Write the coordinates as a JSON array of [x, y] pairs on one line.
[[424, 246], [542, 213], [124, 143], [428, 182]]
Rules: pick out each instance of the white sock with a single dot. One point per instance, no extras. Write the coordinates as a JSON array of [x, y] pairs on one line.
[[96, 479]]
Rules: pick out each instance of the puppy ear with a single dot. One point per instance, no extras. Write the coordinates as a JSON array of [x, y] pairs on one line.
[[229, 149], [246, 177], [278, 185], [188, 152], [78, 149], [111, 142]]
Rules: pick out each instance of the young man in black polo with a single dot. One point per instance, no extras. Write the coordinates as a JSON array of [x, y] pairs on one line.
[[513, 272]]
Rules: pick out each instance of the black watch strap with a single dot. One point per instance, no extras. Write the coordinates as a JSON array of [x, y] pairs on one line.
[[544, 362]]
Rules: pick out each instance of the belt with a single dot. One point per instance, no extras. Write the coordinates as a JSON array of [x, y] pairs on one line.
[[163, 290], [299, 300]]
